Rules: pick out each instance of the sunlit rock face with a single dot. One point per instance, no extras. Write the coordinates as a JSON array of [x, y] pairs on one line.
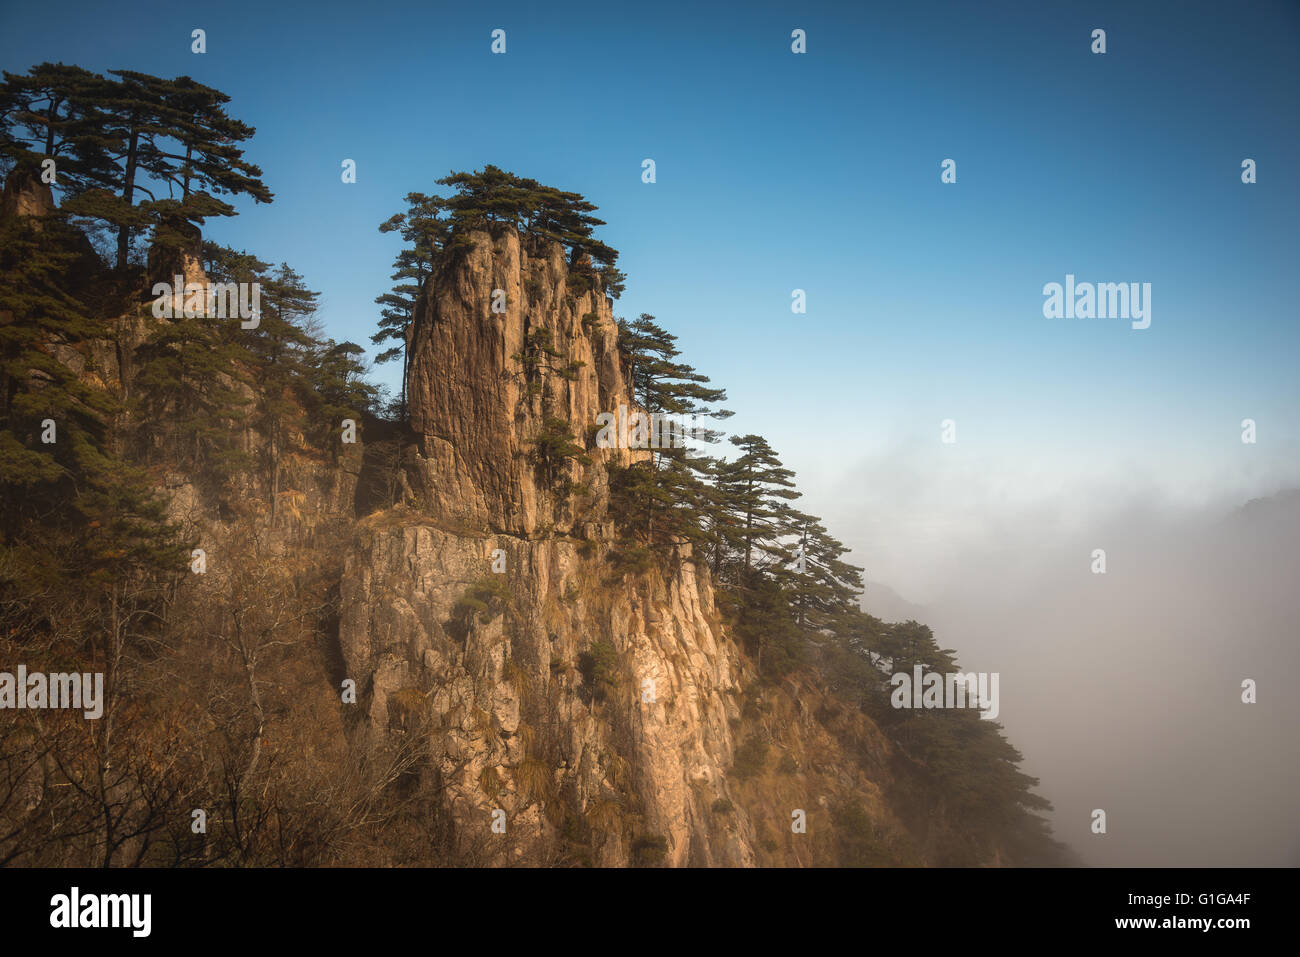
[[628, 763]]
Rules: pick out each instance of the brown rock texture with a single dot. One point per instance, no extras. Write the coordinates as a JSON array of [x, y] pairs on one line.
[[470, 398], [25, 195], [580, 707], [507, 693]]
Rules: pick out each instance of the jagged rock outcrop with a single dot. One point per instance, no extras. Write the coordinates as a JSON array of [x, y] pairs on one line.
[[177, 250], [510, 694], [601, 711], [25, 195], [318, 486], [520, 722], [476, 406]]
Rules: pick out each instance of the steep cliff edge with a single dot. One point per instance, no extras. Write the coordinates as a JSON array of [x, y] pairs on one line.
[[600, 711], [484, 384], [523, 718], [522, 682]]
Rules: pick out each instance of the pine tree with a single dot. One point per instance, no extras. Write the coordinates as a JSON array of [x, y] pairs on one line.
[[338, 390], [41, 315], [131, 108], [53, 112], [824, 587], [755, 488], [194, 117], [426, 234], [196, 373], [492, 195], [81, 528], [121, 134], [670, 485], [555, 446], [279, 350]]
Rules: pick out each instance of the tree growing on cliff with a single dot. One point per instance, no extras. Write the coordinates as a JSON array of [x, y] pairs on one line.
[[755, 489], [53, 112], [668, 489], [191, 395], [553, 449], [823, 587], [127, 136], [280, 349], [434, 225], [63, 477], [147, 115], [335, 373], [425, 232], [492, 195], [87, 554]]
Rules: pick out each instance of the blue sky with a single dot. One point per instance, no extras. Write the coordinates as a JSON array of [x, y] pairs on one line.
[[821, 172]]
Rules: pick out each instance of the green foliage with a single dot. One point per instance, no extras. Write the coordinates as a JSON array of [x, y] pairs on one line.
[[664, 498], [570, 372], [481, 200], [613, 280], [552, 448], [191, 391], [581, 281], [486, 598], [967, 762], [629, 558], [492, 195], [425, 234], [79, 522], [537, 352], [598, 666], [202, 380], [766, 626], [128, 136], [54, 110], [755, 489]]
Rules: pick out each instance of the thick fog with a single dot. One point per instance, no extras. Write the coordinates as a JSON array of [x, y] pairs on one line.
[[1123, 690]]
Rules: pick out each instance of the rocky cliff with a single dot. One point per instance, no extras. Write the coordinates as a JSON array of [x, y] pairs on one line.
[[551, 702], [601, 712], [643, 745]]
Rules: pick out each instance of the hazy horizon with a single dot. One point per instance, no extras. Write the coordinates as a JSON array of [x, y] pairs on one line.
[[1123, 690]]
